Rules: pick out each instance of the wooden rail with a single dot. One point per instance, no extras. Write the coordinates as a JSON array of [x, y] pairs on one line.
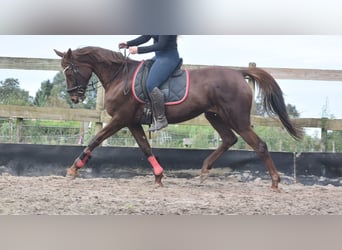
[[278, 73], [293, 74], [99, 116], [49, 113], [30, 63]]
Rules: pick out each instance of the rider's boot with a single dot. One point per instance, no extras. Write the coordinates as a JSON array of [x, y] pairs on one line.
[[158, 108]]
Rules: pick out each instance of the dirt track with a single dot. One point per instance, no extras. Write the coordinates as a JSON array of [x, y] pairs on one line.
[[225, 195]]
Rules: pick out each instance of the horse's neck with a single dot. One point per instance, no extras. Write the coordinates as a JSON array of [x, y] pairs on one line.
[[106, 74], [115, 74]]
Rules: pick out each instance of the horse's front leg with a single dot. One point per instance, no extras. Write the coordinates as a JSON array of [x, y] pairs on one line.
[[140, 137], [112, 127]]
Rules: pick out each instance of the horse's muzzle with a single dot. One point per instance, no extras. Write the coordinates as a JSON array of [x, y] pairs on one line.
[[76, 99]]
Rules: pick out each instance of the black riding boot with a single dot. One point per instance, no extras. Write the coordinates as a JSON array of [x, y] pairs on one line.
[[158, 109]]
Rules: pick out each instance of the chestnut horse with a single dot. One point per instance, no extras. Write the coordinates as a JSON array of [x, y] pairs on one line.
[[220, 93]]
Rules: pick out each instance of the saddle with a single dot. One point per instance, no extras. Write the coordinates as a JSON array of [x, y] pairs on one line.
[[175, 88]]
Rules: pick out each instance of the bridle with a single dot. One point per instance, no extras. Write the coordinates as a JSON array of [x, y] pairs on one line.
[[77, 86], [81, 89]]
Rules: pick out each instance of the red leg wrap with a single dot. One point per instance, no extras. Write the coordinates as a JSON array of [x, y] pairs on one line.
[[83, 159], [157, 169]]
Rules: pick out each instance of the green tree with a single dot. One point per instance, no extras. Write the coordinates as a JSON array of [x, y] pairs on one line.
[[54, 94], [334, 138], [334, 141], [12, 94], [42, 95], [259, 109], [58, 96], [292, 111]]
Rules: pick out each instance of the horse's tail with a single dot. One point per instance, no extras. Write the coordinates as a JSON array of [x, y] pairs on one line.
[[272, 96]]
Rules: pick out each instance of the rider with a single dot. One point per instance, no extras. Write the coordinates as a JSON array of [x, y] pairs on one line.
[[165, 60]]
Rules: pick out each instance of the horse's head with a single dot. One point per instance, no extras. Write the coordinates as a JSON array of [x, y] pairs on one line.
[[77, 75]]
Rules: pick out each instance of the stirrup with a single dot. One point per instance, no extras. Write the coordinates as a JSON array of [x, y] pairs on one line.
[[162, 124]]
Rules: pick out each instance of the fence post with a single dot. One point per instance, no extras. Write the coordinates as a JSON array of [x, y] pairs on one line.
[[99, 105], [10, 123], [324, 140], [82, 133], [19, 125], [324, 135], [251, 83]]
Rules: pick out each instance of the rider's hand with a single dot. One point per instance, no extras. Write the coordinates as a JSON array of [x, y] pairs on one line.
[[133, 50], [123, 45]]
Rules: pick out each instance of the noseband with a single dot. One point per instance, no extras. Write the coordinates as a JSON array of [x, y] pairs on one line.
[[81, 89], [77, 86]]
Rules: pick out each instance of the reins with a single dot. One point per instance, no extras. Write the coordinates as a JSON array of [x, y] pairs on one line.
[[125, 73], [83, 89]]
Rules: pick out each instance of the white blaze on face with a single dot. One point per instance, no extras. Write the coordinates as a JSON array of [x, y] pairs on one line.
[[65, 69]]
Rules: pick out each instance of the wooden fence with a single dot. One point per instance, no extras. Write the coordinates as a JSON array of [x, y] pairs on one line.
[[99, 116]]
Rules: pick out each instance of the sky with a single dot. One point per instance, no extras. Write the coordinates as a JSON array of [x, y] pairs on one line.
[[283, 51]]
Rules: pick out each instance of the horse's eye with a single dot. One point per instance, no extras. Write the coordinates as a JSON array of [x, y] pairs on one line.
[[68, 72]]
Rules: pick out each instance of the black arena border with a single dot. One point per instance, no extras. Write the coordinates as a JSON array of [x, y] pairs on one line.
[[126, 162]]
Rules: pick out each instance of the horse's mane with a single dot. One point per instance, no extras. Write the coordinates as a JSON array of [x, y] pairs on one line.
[[100, 54]]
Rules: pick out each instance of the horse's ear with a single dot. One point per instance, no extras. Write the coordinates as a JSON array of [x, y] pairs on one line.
[[68, 54], [58, 53]]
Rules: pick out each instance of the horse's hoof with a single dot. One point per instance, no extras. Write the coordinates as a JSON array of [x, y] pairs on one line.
[[71, 173], [70, 177], [158, 181], [204, 177], [159, 185], [275, 183]]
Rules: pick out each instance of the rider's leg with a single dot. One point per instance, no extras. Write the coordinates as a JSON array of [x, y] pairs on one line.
[[162, 68]]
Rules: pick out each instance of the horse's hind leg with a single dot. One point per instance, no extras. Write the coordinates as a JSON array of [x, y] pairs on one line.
[[260, 148], [228, 139]]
